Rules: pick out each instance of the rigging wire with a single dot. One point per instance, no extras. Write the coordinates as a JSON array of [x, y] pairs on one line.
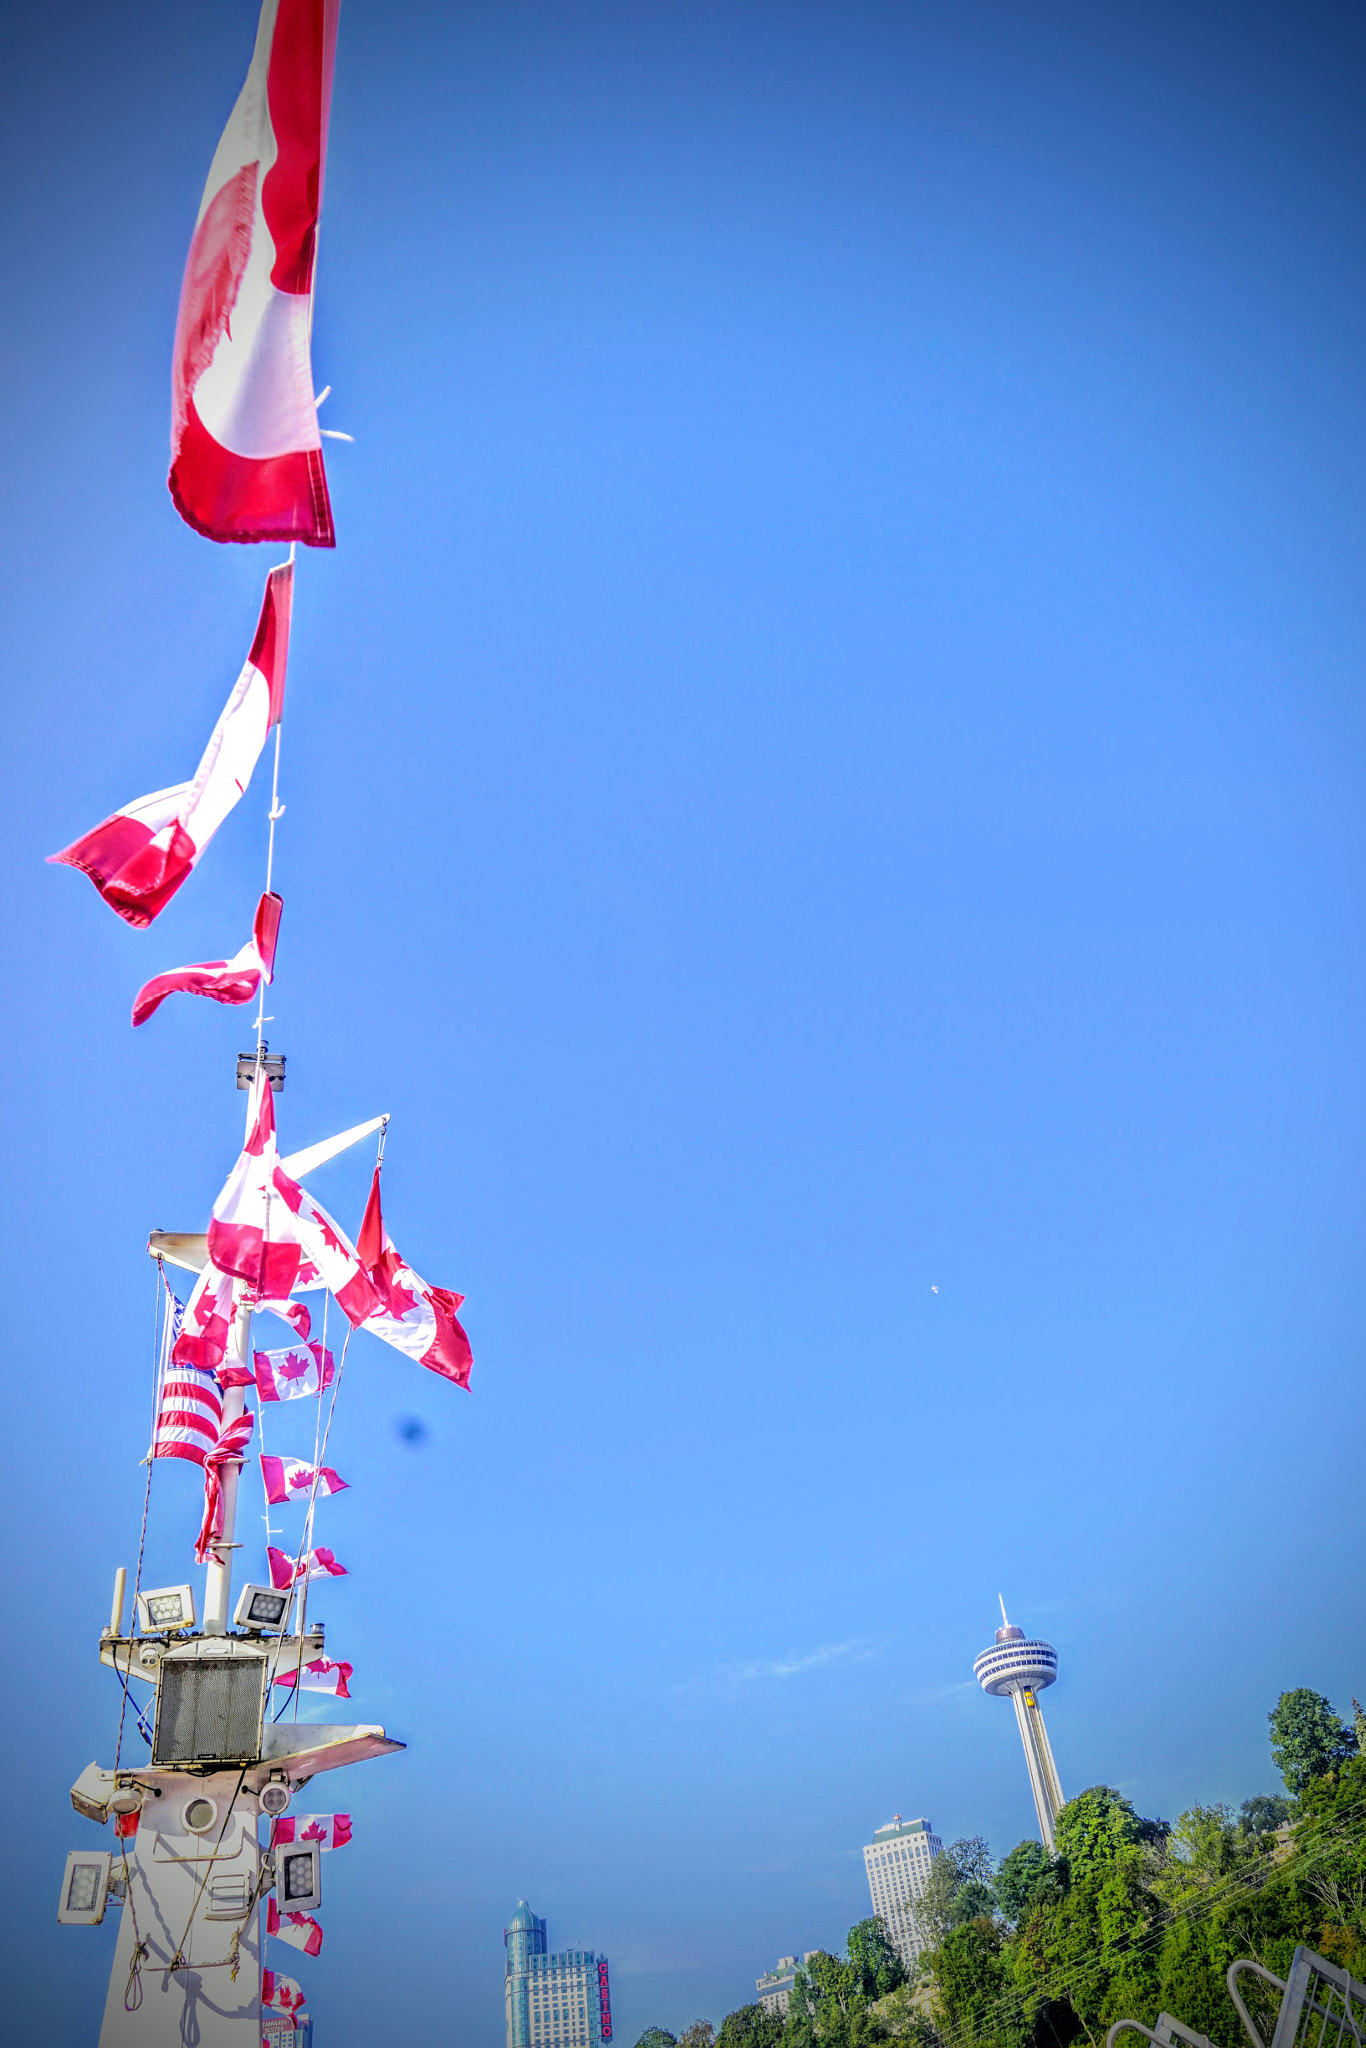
[[161, 1325]]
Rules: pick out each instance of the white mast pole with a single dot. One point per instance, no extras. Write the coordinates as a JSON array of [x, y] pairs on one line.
[[218, 1574]]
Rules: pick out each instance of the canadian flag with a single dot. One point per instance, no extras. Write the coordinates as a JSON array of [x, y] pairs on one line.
[[322, 1675], [300, 1930], [328, 1830], [222, 981], [281, 1994], [206, 1330], [139, 857], [246, 455], [416, 1319], [290, 1375], [314, 1564], [290, 1479], [268, 1231]]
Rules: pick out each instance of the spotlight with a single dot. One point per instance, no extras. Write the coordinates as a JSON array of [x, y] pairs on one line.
[[165, 1608], [299, 1884], [262, 1607], [85, 1886], [275, 1797]]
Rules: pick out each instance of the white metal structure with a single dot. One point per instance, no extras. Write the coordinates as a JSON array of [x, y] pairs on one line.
[[194, 1877], [1020, 1668]]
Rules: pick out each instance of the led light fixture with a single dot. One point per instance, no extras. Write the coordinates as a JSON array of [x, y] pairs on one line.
[[275, 1797], [262, 1607], [299, 1879], [85, 1886], [165, 1608]]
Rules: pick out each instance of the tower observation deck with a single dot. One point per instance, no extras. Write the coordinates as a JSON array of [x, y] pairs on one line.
[[1021, 1668]]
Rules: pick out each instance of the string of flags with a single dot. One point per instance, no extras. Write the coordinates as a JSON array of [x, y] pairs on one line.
[[247, 466]]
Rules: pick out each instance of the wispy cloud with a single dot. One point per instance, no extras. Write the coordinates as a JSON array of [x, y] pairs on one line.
[[793, 1664]]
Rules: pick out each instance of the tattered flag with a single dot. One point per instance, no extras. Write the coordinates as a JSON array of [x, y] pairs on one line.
[[139, 857], [222, 981], [246, 454]]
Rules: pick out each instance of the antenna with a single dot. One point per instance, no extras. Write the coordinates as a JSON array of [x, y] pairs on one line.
[[1004, 1616]]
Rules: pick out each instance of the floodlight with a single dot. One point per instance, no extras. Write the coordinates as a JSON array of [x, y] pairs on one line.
[[165, 1608], [272, 1063], [85, 1886], [299, 1879], [275, 1797], [128, 1799], [93, 1792], [262, 1607]]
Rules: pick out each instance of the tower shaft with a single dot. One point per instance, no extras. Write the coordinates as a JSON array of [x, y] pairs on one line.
[[1043, 1772]]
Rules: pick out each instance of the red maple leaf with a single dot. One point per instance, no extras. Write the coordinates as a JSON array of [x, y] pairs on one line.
[[294, 1365], [316, 1832], [330, 1237], [398, 1298]]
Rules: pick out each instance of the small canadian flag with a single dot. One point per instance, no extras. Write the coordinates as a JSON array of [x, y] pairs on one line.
[[281, 1994], [300, 1930], [324, 1674], [290, 1479], [327, 1830], [314, 1564]]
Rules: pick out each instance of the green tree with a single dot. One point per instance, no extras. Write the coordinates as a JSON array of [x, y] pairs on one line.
[[1097, 1827], [657, 2037], [958, 1888], [975, 1994], [1024, 1876], [1263, 1813], [750, 2027], [871, 1952], [701, 2034], [1307, 1738]]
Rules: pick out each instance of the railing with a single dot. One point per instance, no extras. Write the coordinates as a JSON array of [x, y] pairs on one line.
[[1321, 2006]]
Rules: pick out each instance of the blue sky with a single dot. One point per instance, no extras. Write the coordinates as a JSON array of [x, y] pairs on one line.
[[826, 766]]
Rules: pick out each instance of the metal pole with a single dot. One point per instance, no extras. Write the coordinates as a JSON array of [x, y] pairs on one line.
[[218, 1573]]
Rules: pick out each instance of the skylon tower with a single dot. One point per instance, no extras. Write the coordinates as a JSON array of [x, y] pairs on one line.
[[1016, 1666]]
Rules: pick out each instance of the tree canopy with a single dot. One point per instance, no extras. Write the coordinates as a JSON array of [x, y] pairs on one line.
[[1131, 1918], [657, 2037], [1307, 1738]]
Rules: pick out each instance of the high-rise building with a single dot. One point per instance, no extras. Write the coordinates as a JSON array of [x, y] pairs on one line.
[[775, 1986], [553, 2001], [898, 1863], [1021, 1667]]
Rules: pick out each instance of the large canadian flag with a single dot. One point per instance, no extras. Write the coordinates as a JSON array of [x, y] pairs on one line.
[[269, 1232], [223, 981], [246, 455], [416, 1319], [139, 857]]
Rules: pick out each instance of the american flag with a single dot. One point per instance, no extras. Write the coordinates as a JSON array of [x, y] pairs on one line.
[[189, 1402]]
